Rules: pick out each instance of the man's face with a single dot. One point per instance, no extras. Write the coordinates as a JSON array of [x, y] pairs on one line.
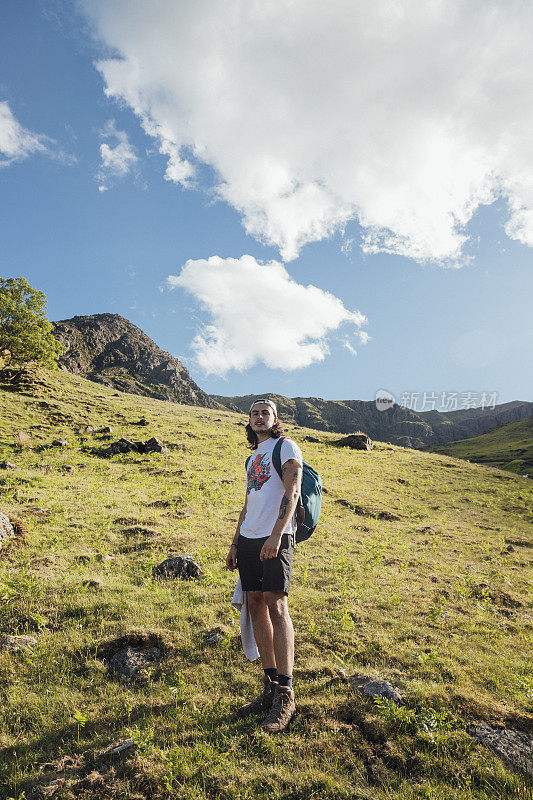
[[262, 418]]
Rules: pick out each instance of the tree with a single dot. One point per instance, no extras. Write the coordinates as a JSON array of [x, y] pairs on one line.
[[25, 333]]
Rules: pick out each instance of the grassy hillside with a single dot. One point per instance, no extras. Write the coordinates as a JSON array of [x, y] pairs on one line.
[[509, 447], [428, 598]]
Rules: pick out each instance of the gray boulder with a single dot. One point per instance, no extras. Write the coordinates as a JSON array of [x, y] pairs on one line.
[[514, 747], [131, 664], [7, 530], [153, 445], [124, 446], [15, 643], [374, 688], [356, 441], [183, 567], [7, 465]]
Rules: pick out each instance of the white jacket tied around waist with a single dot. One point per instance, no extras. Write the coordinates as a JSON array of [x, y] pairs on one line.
[[240, 602]]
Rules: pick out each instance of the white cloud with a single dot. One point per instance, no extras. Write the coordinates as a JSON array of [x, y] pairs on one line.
[[16, 142], [259, 314], [117, 159], [404, 115], [349, 346], [363, 338]]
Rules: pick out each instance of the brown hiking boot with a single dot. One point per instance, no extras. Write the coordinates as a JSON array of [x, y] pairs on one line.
[[263, 702], [282, 710]]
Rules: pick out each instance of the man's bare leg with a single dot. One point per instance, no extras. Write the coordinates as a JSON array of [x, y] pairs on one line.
[[263, 629], [264, 637], [283, 631], [283, 705]]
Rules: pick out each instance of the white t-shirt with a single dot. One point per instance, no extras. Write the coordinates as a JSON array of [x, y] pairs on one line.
[[264, 489]]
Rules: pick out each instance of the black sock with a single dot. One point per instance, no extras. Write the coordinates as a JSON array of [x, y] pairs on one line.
[[272, 673], [285, 680]]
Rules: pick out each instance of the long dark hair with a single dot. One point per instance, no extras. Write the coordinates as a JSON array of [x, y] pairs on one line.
[[275, 432]]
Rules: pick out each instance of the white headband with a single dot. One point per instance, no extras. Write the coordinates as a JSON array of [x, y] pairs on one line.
[[268, 403]]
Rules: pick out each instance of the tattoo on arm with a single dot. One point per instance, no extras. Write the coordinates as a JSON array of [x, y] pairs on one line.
[[283, 507], [293, 475]]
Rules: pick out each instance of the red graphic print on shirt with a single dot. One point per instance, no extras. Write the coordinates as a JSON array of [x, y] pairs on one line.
[[258, 474]]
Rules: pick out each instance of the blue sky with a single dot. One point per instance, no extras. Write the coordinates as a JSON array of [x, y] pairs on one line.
[[93, 214]]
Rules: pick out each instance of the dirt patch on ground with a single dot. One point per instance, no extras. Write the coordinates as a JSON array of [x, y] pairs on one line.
[[366, 512], [88, 774], [138, 530]]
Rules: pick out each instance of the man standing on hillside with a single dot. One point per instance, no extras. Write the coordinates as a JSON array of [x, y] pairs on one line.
[[262, 549]]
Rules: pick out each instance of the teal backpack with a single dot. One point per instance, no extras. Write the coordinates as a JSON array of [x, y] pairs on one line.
[[310, 500]]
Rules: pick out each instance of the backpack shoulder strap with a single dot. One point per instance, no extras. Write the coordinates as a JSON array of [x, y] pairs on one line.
[[276, 455]]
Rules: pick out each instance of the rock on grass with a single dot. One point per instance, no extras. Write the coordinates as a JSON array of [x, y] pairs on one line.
[[16, 643], [375, 687], [131, 663], [183, 567], [514, 747], [7, 531], [152, 445], [356, 441], [133, 658]]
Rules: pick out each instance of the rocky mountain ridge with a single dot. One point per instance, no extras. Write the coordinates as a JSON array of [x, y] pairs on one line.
[[109, 349], [397, 424]]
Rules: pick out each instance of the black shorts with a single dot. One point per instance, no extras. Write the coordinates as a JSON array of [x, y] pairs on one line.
[[270, 575]]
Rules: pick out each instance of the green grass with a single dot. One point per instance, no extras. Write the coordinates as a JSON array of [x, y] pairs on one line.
[[508, 447], [429, 601]]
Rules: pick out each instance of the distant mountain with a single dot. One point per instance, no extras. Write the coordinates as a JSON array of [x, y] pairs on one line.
[[509, 447], [398, 425], [111, 350]]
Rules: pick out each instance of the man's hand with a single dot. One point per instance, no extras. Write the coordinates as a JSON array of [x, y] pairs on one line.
[[231, 558], [270, 547]]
